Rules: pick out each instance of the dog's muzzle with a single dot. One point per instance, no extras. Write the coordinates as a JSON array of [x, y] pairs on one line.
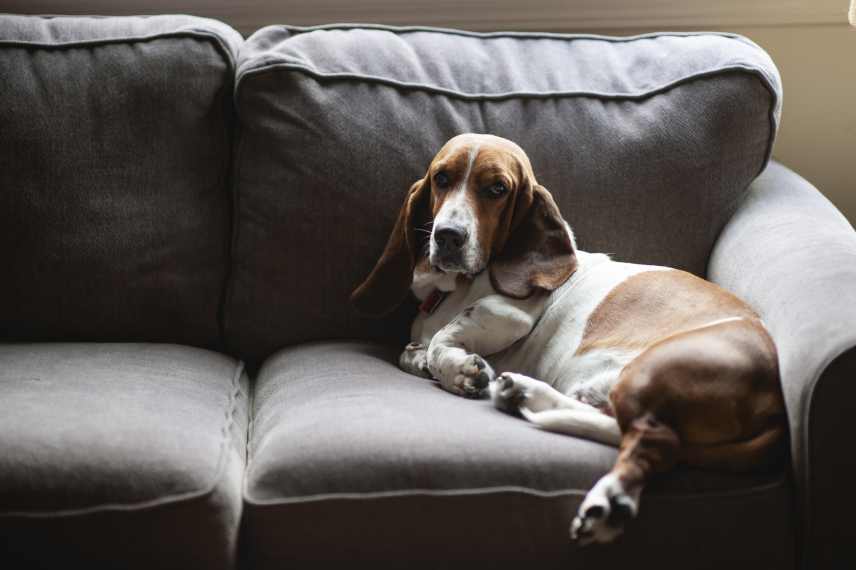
[[449, 244]]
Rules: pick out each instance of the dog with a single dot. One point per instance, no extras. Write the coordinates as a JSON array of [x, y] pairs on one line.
[[656, 361]]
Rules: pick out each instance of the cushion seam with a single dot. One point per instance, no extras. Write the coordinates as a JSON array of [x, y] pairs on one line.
[[398, 30], [500, 489], [734, 67], [165, 500], [229, 179], [204, 35], [235, 241], [292, 65]]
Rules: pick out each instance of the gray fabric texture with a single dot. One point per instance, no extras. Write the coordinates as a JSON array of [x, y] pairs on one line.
[[351, 458], [792, 255], [120, 455], [114, 160], [645, 142]]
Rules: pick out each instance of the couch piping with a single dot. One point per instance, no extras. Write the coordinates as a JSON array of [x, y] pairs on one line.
[[735, 67], [501, 96], [231, 406], [503, 34], [195, 34], [495, 35], [500, 489]]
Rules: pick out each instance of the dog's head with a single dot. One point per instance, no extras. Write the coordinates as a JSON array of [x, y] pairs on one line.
[[478, 207]]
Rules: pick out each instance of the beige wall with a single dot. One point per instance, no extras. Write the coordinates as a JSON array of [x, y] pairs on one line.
[[818, 131]]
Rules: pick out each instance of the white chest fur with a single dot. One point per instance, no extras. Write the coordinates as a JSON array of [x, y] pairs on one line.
[[548, 351], [425, 326]]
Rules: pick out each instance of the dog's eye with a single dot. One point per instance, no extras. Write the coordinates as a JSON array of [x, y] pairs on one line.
[[441, 179], [496, 190]]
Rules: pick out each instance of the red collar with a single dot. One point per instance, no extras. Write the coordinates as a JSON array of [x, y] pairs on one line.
[[432, 301]]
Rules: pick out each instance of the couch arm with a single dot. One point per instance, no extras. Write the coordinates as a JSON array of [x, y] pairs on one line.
[[792, 255]]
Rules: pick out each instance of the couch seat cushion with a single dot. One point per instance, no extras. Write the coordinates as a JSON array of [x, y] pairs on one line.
[[351, 458], [126, 455]]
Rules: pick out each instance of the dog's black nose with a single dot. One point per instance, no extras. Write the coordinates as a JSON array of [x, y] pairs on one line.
[[450, 238]]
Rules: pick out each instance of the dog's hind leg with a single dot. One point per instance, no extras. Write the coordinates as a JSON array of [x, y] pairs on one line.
[[511, 392], [708, 396], [647, 447]]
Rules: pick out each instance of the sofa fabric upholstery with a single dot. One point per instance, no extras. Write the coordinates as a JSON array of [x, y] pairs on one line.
[[114, 161], [163, 181], [120, 455], [645, 142], [352, 459], [792, 255]]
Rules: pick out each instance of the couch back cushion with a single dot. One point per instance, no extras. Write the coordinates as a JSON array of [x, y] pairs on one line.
[[647, 144], [115, 138]]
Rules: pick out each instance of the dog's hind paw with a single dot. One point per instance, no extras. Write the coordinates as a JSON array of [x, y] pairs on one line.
[[513, 391], [508, 395], [604, 512]]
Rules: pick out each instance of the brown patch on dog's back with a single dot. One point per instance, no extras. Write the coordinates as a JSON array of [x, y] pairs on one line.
[[653, 305], [714, 381]]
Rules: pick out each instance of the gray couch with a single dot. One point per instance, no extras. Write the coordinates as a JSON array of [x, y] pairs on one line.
[[184, 385]]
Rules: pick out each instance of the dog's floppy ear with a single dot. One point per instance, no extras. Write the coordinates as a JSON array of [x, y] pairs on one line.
[[386, 286], [537, 252]]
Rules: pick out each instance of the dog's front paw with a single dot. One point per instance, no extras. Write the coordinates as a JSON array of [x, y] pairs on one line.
[[473, 377], [603, 513], [414, 360]]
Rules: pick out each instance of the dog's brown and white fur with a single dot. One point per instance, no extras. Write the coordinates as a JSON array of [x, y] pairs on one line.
[[662, 364]]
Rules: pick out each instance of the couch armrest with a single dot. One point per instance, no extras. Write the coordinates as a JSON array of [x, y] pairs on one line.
[[792, 255]]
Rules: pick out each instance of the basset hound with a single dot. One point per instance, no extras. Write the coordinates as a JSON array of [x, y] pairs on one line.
[[662, 364]]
